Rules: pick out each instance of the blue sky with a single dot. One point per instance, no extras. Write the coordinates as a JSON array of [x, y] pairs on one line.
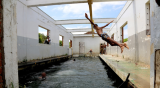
[[125, 31], [42, 30], [77, 11]]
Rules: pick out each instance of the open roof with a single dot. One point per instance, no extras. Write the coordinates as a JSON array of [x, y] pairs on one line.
[[103, 11]]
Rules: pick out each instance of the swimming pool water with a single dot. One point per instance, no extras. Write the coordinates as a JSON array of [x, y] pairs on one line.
[[81, 73]]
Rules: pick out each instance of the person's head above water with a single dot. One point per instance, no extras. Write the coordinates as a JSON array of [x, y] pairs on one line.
[[43, 75], [95, 26]]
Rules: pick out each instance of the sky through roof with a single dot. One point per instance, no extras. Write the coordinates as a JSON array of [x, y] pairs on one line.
[[77, 11]]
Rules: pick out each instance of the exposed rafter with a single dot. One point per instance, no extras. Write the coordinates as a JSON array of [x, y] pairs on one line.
[[33, 3], [84, 21], [85, 30], [84, 35]]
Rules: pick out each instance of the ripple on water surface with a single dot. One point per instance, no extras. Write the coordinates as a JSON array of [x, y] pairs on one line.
[[82, 73]]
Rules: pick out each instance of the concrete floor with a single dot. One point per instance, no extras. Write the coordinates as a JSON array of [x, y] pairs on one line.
[[140, 74]]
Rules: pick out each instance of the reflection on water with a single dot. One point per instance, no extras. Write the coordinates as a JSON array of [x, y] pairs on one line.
[[82, 73]]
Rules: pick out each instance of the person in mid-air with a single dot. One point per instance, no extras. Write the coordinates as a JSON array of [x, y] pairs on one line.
[[105, 36]]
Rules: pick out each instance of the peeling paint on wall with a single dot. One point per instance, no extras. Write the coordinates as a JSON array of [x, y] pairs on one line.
[[152, 48], [157, 66], [152, 82], [10, 43], [155, 44], [152, 14]]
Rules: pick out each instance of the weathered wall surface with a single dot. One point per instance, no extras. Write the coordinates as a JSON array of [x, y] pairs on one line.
[[155, 44], [10, 43], [134, 14], [90, 43], [28, 21]]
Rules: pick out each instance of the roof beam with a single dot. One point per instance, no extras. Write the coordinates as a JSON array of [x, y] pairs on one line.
[[84, 35], [85, 30], [33, 3], [84, 21]]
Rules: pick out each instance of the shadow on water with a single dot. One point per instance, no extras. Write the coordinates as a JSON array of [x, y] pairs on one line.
[[112, 75], [75, 73]]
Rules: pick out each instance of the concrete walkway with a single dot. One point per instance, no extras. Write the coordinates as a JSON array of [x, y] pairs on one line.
[[139, 75]]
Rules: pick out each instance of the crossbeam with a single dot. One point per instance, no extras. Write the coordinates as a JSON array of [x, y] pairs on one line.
[[84, 35], [85, 30], [34, 3], [84, 21]]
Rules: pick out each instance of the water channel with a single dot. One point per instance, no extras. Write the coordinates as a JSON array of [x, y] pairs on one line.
[[82, 73]]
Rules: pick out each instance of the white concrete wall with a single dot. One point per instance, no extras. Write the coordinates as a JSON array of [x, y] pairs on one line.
[[134, 13], [155, 40], [10, 43], [126, 15], [28, 20], [90, 43]]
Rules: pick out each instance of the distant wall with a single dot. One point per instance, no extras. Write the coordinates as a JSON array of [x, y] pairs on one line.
[[134, 13], [90, 43], [28, 20]]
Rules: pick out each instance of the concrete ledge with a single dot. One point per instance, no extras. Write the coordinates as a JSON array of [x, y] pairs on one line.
[[140, 76], [76, 55], [43, 61]]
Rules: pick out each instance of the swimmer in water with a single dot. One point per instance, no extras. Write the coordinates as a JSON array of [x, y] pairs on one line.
[[43, 76], [105, 36], [90, 51]]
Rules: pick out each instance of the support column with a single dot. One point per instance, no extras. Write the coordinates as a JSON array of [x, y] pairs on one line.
[[9, 40], [155, 45], [2, 74], [136, 33]]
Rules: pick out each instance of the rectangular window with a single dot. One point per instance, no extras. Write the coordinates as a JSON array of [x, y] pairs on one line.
[[61, 40], [42, 34], [124, 33], [148, 32], [70, 43]]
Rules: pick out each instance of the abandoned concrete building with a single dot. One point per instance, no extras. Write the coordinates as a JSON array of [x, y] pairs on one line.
[[19, 40]]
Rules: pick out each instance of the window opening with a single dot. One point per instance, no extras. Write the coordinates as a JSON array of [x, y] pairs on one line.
[[43, 35], [70, 43], [60, 40]]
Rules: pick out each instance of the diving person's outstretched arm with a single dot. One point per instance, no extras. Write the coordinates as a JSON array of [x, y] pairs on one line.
[[107, 24], [89, 19]]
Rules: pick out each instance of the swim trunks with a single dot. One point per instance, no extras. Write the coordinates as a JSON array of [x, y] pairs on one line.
[[104, 36]]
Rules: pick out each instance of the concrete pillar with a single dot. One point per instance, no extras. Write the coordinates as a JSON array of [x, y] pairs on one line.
[[155, 44], [2, 75], [10, 43]]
